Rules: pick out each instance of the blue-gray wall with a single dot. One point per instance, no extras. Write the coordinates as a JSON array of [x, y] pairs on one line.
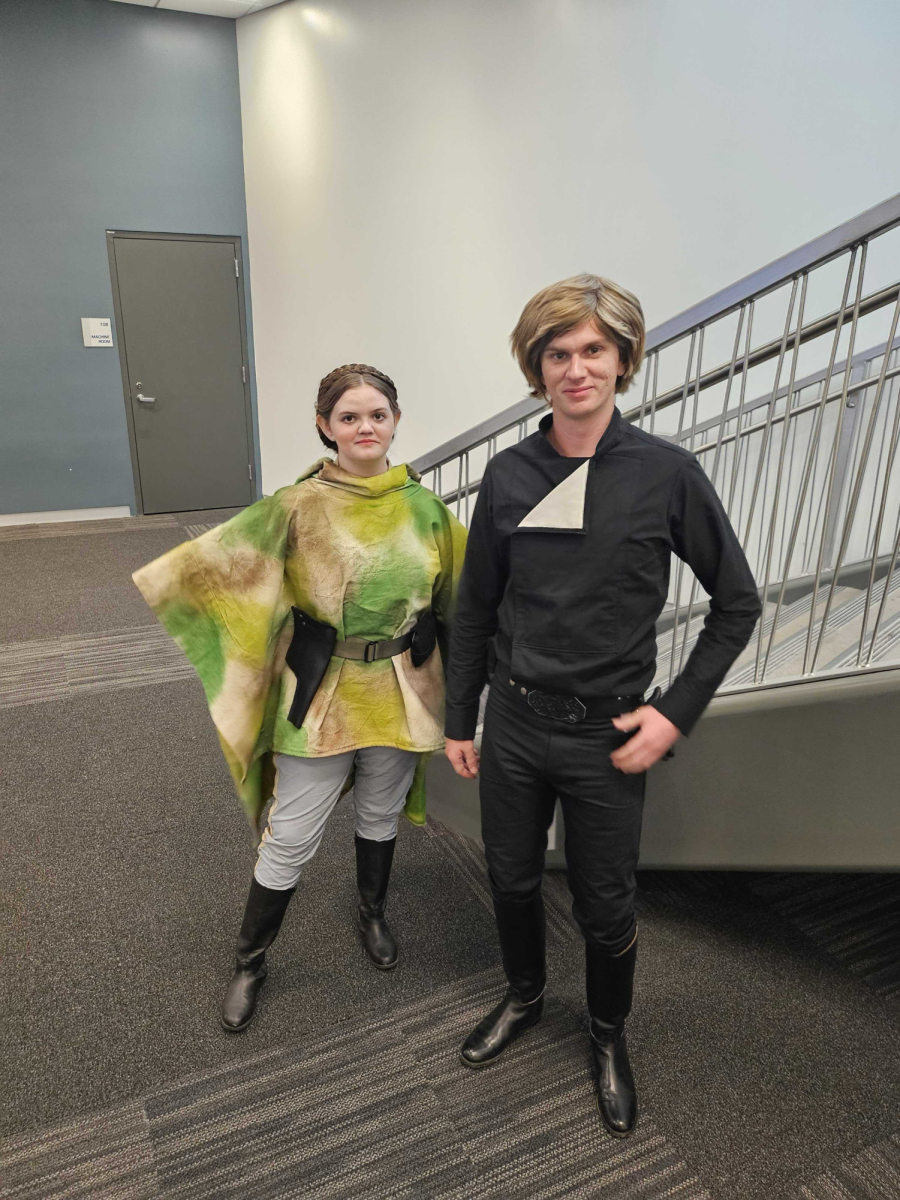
[[112, 116]]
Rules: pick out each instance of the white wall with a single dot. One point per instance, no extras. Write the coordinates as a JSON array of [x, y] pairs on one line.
[[416, 169]]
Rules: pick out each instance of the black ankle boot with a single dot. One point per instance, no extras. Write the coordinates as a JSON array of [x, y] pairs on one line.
[[502, 1025], [263, 915], [373, 870], [522, 930], [610, 984]]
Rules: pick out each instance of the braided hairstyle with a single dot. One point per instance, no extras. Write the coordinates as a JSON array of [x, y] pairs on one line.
[[340, 380]]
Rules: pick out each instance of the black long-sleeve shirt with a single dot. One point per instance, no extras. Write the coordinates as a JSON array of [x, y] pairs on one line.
[[567, 570]]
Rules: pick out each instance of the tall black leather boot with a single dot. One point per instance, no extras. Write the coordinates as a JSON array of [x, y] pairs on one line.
[[523, 934], [263, 915], [373, 871], [610, 985]]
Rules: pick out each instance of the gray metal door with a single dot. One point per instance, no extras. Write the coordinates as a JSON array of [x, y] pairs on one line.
[[180, 327]]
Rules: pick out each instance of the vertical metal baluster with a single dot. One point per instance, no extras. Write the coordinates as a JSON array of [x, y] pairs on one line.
[[697, 385], [882, 446], [680, 567], [459, 488], [695, 583], [813, 441], [437, 478], [467, 489], [848, 447], [770, 541], [832, 469], [687, 383], [815, 511], [882, 508], [675, 621], [678, 572], [687, 621], [729, 506], [892, 566], [746, 447], [764, 448], [792, 454], [730, 448], [764, 491], [648, 364], [731, 369], [654, 392], [857, 484]]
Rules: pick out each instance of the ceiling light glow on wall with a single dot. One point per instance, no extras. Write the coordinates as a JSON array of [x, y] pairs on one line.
[[321, 21]]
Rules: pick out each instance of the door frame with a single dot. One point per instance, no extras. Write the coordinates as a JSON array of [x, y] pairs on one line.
[[237, 245]]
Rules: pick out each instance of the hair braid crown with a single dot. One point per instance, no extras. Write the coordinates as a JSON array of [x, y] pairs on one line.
[[354, 369]]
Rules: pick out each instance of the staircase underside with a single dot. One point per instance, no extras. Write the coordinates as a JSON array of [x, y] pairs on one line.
[[797, 775]]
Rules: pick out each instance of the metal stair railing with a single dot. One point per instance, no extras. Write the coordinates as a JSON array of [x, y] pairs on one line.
[[806, 468]]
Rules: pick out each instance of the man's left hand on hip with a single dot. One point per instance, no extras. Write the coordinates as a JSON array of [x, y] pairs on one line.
[[655, 735]]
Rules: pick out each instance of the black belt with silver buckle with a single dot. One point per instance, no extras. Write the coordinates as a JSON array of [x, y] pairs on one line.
[[566, 708]]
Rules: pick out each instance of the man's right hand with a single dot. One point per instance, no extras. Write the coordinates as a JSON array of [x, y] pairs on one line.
[[463, 757]]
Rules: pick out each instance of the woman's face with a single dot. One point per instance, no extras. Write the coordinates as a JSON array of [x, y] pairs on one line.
[[363, 425]]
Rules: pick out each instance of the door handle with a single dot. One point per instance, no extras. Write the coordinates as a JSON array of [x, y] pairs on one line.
[[146, 399]]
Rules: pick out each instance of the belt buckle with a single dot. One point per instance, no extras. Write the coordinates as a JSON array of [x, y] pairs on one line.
[[557, 708], [370, 652]]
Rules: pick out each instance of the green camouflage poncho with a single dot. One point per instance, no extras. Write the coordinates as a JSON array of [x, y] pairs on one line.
[[365, 555]]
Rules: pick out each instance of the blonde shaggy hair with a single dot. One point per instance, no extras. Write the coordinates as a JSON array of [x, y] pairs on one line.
[[563, 306]]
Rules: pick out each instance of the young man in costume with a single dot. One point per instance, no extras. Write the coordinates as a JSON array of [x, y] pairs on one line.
[[566, 573]]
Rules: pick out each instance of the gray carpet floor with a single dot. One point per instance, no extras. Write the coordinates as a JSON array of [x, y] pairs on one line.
[[765, 1036]]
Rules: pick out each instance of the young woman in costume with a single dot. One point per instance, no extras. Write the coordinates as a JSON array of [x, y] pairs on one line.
[[312, 619]]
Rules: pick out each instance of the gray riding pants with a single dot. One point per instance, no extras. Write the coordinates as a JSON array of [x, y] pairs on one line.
[[306, 791]]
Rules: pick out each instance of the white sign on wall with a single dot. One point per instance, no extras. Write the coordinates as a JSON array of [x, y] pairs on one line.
[[96, 331]]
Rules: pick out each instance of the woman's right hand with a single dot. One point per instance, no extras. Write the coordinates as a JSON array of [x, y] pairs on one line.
[[463, 757]]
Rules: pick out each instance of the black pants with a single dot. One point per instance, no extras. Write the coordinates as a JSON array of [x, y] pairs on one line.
[[527, 761]]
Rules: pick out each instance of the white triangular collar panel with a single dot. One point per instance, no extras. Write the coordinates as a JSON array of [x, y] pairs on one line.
[[563, 508]]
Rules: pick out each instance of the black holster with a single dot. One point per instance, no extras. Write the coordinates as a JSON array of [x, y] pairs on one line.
[[308, 656], [424, 638]]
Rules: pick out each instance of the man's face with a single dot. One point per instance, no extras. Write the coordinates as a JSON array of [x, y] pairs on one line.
[[580, 369]]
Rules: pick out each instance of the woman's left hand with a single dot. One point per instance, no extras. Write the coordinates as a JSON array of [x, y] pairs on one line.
[[656, 734]]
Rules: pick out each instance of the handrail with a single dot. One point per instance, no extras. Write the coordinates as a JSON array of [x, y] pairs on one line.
[[859, 359], [478, 434], [529, 407], [874, 221], [770, 349], [806, 470], [820, 250], [792, 680], [779, 418], [860, 385]]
